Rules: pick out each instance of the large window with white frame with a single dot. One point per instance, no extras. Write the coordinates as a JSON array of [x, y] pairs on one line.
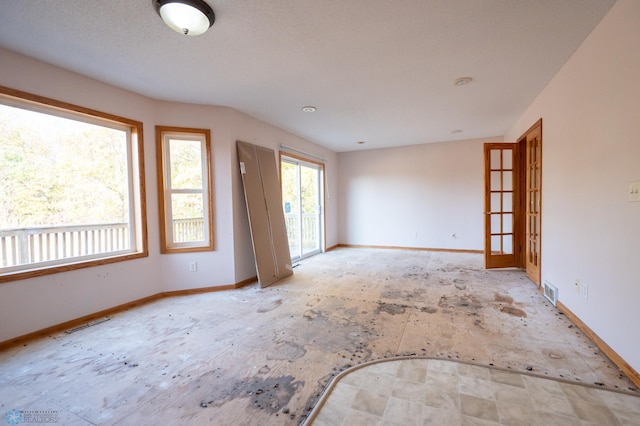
[[184, 189], [71, 187]]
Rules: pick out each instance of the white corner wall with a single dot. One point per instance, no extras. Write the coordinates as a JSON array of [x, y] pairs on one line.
[[591, 151], [34, 304], [415, 196]]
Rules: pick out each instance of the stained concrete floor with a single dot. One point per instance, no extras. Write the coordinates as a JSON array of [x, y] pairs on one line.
[[263, 356]]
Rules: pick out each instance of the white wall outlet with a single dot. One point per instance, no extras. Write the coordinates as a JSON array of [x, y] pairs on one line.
[[193, 266], [584, 290], [576, 286], [634, 191]]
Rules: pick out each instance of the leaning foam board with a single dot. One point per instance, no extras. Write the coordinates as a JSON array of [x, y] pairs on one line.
[[263, 197]]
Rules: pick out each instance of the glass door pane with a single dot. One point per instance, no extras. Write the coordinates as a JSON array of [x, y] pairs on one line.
[[291, 201], [302, 202], [310, 197]]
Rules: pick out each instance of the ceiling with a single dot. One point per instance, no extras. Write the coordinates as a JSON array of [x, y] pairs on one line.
[[379, 71]]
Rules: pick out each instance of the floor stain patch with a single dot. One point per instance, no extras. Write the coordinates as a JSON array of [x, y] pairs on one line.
[[391, 308], [286, 350], [503, 298], [270, 306], [513, 311], [270, 394]]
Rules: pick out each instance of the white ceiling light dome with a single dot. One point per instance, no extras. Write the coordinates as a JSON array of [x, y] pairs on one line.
[[188, 17]]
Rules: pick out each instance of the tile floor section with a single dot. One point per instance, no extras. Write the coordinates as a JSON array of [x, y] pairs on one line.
[[436, 392]]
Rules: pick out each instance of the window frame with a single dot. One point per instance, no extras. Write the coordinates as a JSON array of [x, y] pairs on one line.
[[164, 190], [137, 194]]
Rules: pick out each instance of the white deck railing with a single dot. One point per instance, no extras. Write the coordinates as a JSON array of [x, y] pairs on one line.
[[309, 229], [22, 246]]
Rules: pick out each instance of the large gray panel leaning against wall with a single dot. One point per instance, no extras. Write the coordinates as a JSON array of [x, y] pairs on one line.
[[263, 196]]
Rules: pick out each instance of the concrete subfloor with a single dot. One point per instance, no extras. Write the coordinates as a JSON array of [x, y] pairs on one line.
[[264, 356]]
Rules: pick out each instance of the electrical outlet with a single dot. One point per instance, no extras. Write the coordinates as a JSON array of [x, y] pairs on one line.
[[584, 290], [576, 286], [193, 266]]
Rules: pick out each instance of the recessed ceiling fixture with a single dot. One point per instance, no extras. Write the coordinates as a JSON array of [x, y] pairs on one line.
[[462, 81], [188, 17], [361, 142], [309, 108], [456, 131]]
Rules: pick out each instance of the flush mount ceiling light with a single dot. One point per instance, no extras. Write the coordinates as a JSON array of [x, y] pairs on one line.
[[456, 131], [188, 17], [309, 108], [462, 81]]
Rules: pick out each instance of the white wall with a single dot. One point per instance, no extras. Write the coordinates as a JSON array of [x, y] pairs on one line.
[[414, 196], [591, 151], [33, 304]]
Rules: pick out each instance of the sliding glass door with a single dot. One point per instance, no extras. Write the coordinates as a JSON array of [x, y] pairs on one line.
[[302, 201]]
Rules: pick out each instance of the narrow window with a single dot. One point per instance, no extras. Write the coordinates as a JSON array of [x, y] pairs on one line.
[[71, 187], [184, 184]]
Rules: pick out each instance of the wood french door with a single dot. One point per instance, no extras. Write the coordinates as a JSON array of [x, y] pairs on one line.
[[499, 203], [531, 141], [513, 201]]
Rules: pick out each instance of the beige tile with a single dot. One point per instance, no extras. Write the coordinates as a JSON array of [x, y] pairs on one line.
[[409, 390], [437, 398], [355, 377], [511, 394], [476, 387], [343, 394], [412, 373], [547, 418], [517, 415], [484, 409], [475, 371], [615, 400], [442, 380], [381, 383], [594, 413], [474, 421], [627, 418], [553, 404], [507, 378], [358, 418], [372, 403], [442, 366], [432, 416], [387, 368], [403, 411], [581, 392], [331, 415], [542, 387]]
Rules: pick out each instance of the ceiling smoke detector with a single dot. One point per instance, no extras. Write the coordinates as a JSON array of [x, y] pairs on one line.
[[462, 81]]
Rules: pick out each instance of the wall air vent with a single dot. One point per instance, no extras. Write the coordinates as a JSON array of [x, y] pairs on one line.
[[550, 292]]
